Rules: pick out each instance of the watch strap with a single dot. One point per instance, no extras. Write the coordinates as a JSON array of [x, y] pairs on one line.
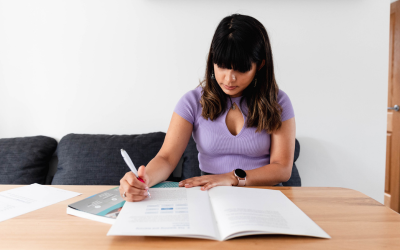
[[241, 181]]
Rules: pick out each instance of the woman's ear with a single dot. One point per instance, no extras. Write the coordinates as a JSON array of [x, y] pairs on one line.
[[262, 65]]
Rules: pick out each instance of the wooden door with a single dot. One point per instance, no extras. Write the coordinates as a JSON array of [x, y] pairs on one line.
[[392, 176]]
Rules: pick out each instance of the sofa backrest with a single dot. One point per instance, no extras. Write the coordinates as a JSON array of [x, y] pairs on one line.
[[25, 160], [87, 159]]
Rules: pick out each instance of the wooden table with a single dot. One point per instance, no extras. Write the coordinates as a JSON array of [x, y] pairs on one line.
[[352, 219]]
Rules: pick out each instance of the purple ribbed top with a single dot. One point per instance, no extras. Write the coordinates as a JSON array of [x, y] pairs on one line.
[[220, 151]]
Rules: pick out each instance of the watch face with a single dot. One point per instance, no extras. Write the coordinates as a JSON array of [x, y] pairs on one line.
[[240, 173]]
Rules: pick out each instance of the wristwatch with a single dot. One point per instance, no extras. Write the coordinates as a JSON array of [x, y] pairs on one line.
[[241, 176]]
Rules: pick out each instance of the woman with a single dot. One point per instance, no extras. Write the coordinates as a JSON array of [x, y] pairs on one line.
[[242, 123]]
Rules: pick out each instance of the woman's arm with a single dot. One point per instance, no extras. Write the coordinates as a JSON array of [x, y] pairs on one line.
[[281, 158], [279, 170], [175, 143], [163, 164]]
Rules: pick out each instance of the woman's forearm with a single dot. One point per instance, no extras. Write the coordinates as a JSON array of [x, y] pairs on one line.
[[268, 175], [158, 170]]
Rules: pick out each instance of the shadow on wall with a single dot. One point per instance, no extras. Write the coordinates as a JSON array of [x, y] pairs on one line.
[[318, 164]]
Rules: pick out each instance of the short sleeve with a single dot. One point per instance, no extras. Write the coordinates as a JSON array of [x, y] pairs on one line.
[[187, 106], [286, 104]]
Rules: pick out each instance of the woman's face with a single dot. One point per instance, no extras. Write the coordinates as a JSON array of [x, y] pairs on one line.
[[234, 82]]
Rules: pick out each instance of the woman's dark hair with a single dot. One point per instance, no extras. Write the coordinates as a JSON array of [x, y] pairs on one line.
[[239, 41]]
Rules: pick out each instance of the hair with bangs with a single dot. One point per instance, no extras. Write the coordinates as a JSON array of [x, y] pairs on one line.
[[239, 41]]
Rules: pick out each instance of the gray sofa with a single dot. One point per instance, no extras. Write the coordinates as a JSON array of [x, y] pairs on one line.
[[88, 159]]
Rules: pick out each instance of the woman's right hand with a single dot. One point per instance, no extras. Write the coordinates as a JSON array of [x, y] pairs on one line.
[[134, 189]]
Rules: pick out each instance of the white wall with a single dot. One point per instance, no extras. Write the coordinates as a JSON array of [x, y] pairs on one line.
[[119, 67]]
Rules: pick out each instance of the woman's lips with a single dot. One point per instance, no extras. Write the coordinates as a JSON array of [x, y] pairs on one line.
[[230, 88]]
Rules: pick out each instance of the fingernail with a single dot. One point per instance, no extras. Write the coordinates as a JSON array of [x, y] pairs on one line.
[[146, 188]]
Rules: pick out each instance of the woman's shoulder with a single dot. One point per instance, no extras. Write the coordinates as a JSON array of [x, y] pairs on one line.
[[192, 96], [282, 95], [194, 93], [189, 105], [286, 104]]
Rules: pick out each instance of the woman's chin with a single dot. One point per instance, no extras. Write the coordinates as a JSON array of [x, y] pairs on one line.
[[231, 92]]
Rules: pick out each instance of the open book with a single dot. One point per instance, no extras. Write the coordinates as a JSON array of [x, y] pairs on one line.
[[220, 213]]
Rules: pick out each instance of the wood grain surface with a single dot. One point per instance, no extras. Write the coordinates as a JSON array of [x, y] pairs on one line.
[[352, 219], [392, 196]]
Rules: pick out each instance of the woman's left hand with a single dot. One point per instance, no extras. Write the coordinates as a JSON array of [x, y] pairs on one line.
[[209, 181]]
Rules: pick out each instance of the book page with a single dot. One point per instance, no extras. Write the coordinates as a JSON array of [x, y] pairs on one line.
[[184, 212], [246, 211]]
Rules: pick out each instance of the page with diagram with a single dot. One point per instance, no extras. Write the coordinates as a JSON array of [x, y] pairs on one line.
[[183, 212]]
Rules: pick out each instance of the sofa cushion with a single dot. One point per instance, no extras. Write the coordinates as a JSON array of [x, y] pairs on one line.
[[85, 159], [25, 160]]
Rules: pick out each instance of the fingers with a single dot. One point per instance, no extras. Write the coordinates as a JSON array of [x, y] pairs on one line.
[[130, 197], [142, 173], [194, 182], [209, 185], [134, 189], [205, 183], [133, 181], [208, 181]]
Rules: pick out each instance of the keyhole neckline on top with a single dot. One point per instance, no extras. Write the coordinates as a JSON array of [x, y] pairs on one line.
[[244, 120]]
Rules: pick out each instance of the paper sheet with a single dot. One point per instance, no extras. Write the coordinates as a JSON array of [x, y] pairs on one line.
[[25, 199]]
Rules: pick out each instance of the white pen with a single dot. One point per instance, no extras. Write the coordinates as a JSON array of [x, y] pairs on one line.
[[129, 162]]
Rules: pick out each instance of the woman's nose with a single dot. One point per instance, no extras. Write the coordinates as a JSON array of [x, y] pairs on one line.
[[230, 77]]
